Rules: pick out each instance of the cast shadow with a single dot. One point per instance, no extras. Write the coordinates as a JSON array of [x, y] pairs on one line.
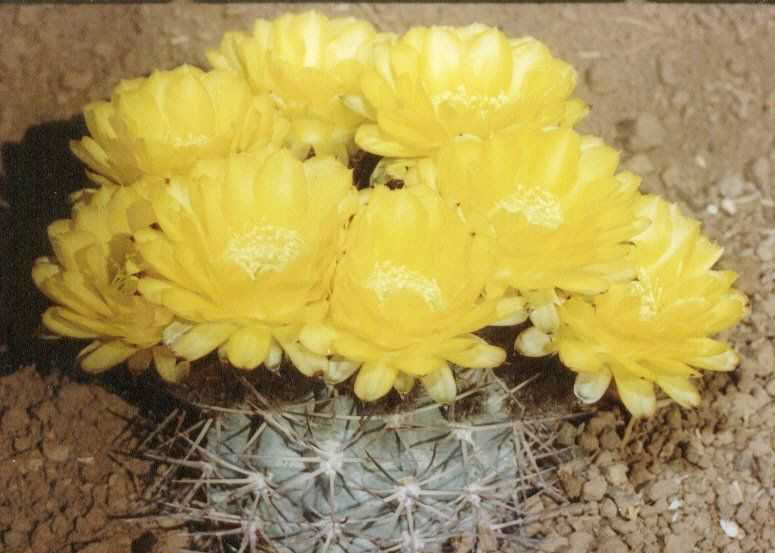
[[40, 174]]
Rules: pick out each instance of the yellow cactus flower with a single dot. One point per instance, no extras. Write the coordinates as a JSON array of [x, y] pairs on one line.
[[559, 214], [308, 63], [436, 84], [93, 280], [163, 124], [245, 251], [407, 295], [655, 330]]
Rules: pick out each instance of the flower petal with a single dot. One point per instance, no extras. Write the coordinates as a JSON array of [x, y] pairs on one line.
[[589, 387], [440, 385], [374, 380], [680, 389], [202, 339], [248, 347], [533, 342], [637, 394], [105, 356]]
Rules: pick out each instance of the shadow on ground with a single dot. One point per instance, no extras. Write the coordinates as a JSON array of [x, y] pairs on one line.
[[40, 173]]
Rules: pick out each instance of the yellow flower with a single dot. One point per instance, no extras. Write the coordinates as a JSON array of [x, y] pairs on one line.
[[656, 329], [246, 251], [559, 214], [438, 83], [407, 294], [93, 279], [163, 124], [308, 63]]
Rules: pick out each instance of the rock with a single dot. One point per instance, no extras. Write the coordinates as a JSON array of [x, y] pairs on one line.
[[608, 508], [666, 70], [612, 544], [13, 539], [14, 420], [640, 164], [660, 489], [567, 435], [603, 76], [731, 186], [553, 543], [41, 538], [600, 422], [588, 442], [749, 268], [766, 249], [647, 133], [580, 542], [728, 206], [765, 358], [768, 305], [617, 474], [758, 171], [680, 543], [594, 489], [771, 388], [610, 439], [729, 527], [58, 453]]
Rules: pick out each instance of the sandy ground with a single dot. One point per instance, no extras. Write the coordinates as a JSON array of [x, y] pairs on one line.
[[687, 94]]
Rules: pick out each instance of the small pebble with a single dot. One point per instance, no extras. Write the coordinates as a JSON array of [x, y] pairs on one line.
[[730, 527], [758, 171], [594, 489], [567, 435], [580, 542], [14, 420], [608, 508], [640, 164], [728, 206], [731, 186], [648, 133], [660, 489], [617, 474], [766, 250], [56, 452], [667, 72], [612, 544]]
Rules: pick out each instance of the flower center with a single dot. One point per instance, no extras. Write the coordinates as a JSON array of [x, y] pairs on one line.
[[538, 206], [264, 248], [389, 278]]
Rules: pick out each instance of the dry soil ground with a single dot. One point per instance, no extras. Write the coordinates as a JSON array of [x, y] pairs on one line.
[[687, 94]]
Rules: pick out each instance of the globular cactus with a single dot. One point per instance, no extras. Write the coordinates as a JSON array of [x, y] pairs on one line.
[[319, 475]]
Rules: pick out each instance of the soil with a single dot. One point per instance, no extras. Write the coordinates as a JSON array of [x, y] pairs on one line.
[[685, 92]]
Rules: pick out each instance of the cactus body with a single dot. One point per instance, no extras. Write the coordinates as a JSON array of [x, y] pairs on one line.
[[315, 476]]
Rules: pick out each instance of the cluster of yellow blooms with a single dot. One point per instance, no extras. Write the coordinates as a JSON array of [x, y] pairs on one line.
[[226, 218]]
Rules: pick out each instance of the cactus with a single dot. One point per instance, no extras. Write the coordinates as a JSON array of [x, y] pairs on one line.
[[322, 475]]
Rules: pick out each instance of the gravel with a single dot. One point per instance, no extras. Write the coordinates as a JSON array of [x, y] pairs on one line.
[[648, 133]]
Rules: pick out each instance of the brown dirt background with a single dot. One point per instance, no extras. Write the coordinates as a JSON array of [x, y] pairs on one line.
[[686, 92]]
